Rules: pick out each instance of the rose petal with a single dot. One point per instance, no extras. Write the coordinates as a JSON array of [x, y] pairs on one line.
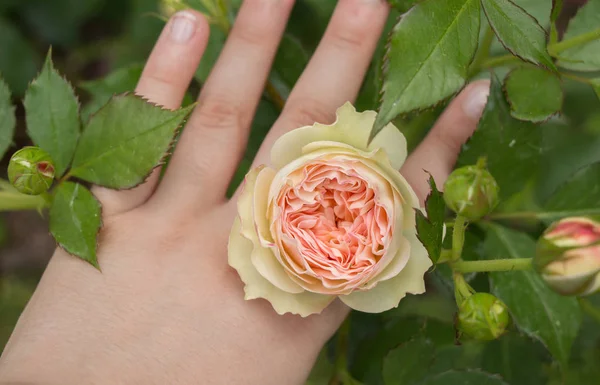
[[261, 202], [245, 204], [387, 294], [256, 286], [351, 127]]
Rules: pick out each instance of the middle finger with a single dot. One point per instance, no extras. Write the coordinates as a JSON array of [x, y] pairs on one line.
[[336, 70], [215, 136]]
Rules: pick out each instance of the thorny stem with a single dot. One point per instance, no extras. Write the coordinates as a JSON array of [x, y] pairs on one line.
[[556, 48], [458, 237], [589, 309], [511, 264], [500, 61], [576, 78], [483, 52], [462, 290]]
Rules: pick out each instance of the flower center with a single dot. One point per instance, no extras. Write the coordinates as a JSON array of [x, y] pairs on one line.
[[339, 228]]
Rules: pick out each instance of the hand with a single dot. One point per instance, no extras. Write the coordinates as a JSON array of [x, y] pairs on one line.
[[167, 309]]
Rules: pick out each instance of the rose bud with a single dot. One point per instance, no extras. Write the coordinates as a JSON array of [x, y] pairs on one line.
[[31, 170], [483, 317], [471, 192], [330, 217], [568, 256]]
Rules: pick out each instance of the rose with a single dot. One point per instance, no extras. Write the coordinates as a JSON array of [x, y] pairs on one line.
[[568, 256], [332, 218]]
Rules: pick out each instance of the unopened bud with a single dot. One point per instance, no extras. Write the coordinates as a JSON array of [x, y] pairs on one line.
[[483, 317], [471, 192], [568, 256], [31, 170]]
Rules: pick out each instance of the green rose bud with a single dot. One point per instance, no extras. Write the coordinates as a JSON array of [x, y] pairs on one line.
[[471, 192], [483, 317], [568, 256], [31, 170]]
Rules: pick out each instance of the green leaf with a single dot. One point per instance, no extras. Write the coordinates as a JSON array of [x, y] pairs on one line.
[[564, 160], [517, 359], [367, 363], [322, 370], [430, 228], [596, 86], [19, 59], [7, 118], [290, 61], [124, 141], [216, 41], [409, 363], [540, 313], [52, 115], [518, 31], [584, 57], [428, 56], [533, 94], [506, 142], [454, 377], [75, 219], [580, 195], [101, 90], [557, 6]]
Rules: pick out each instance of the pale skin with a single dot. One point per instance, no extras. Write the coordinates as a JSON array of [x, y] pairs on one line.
[[167, 308]]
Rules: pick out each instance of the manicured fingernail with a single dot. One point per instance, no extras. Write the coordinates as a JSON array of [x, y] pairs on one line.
[[476, 100], [183, 26]]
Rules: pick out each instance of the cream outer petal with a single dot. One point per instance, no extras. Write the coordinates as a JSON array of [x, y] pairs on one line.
[[262, 257], [351, 127], [387, 294], [256, 286]]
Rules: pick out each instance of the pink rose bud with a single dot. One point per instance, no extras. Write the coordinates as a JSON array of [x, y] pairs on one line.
[[568, 256]]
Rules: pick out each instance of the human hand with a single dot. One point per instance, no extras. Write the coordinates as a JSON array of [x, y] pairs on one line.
[[167, 308]]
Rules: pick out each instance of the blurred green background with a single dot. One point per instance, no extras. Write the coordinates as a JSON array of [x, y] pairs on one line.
[[94, 38]]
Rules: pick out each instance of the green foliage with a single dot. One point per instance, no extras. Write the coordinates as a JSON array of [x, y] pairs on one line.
[[545, 171], [75, 219], [409, 363], [506, 143], [124, 141], [53, 116], [580, 195], [7, 118], [430, 227], [533, 94], [101, 90], [428, 56], [518, 31], [453, 377], [536, 310], [584, 57], [18, 61]]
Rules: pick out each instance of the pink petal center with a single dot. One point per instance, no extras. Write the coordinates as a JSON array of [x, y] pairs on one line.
[[340, 230]]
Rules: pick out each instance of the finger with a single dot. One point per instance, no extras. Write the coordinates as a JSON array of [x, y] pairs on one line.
[[164, 81], [438, 152], [216, 134], [335, 73]]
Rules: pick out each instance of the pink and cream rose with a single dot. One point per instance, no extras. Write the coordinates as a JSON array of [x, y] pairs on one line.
[[331, 217]]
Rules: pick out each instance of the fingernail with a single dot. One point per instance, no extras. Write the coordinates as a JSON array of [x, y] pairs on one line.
[[183, 26], [476, 100]]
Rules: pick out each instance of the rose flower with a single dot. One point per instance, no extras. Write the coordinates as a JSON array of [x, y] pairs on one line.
[[331, 218]]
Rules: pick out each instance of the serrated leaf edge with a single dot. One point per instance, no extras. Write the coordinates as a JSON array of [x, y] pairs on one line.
[[170, 146], [100, 226], [510, 103], [554, 69]]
